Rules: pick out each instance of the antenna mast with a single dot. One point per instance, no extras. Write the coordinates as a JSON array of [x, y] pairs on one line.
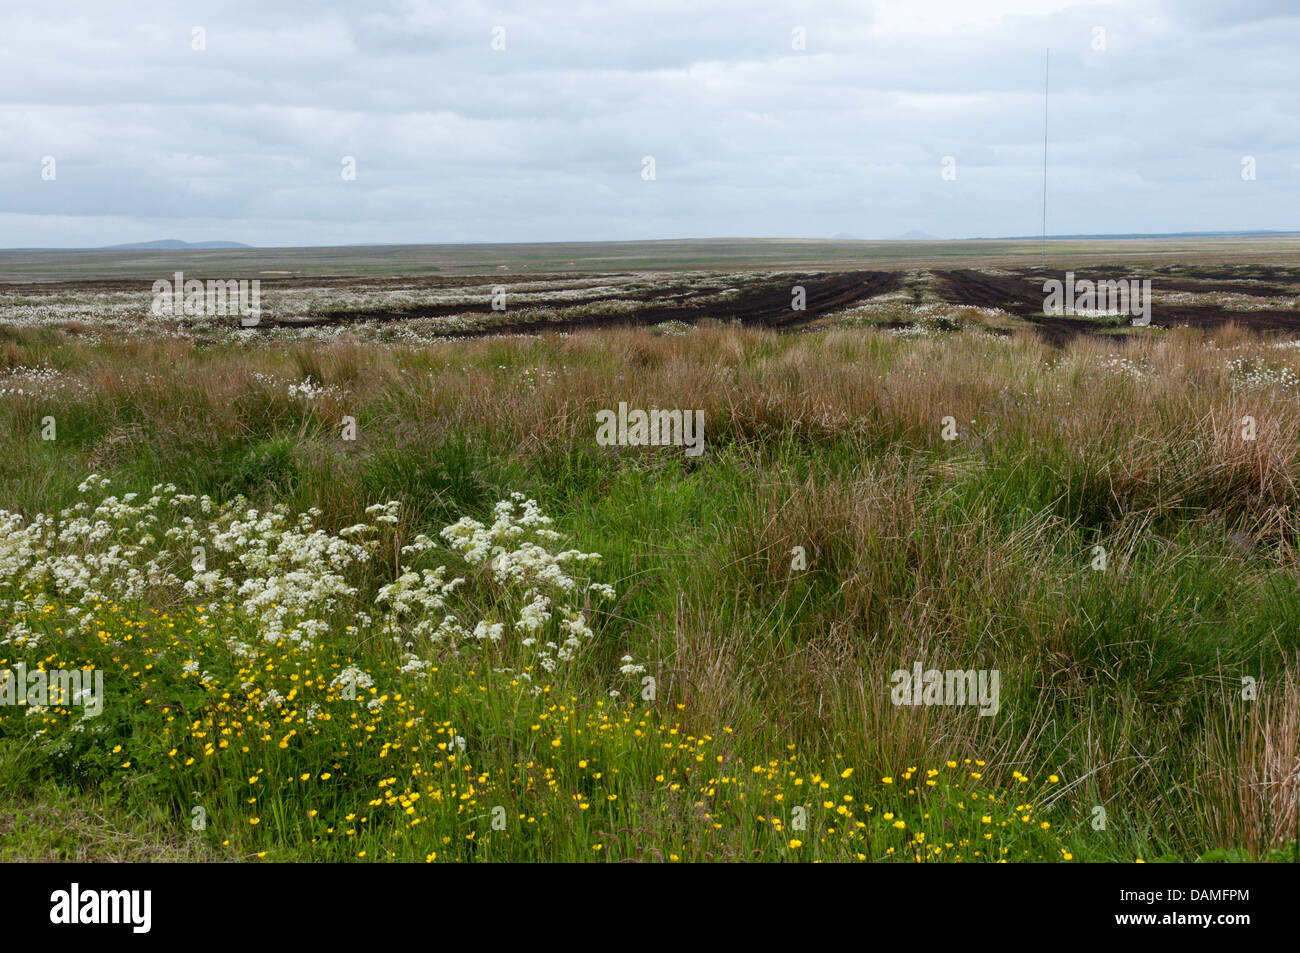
[[1047, 66]]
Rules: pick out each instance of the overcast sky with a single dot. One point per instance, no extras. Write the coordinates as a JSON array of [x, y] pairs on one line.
[[1154, 106]]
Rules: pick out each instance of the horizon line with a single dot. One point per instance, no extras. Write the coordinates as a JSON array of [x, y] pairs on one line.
[[241, 246]]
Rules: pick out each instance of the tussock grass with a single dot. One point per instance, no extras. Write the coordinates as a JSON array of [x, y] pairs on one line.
[[975, 553]]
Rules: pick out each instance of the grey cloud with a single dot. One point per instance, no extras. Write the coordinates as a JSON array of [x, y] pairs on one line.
[[455, 141]]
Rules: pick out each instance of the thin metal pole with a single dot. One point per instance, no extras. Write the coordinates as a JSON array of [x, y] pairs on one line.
[[1047, 67]]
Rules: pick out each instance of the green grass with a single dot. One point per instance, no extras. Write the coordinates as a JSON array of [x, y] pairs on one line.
[[970, 554]]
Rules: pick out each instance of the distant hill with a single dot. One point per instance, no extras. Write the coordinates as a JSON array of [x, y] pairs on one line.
[[171, 244]]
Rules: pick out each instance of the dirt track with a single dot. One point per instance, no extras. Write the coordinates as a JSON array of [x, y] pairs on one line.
[[1014, 295], [766, 301], [1022, 295], [760, 302]]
